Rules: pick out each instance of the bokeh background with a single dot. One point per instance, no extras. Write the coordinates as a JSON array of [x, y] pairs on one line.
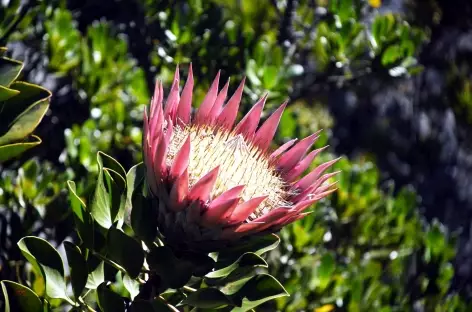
[[389, 81]]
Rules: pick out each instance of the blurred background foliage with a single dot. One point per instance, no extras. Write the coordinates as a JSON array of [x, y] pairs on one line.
[[390, 81]]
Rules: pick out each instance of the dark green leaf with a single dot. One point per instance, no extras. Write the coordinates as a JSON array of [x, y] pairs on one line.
[[125, 251], [78, 268], [143, 217], [23, 112], [47, 260], [116, 186], [25, 123], [156, 305], [109, 192], [9, 70], [131, 285], [256, 244], [83, 219], [207, 298], [110, 163], [141, 306], [247, 259], [201, 263], [96, 271], [134, 181], [257, 290], [10, 151], [176, 272], [232, 283], [6, 93], [20, 298], [108, 301]]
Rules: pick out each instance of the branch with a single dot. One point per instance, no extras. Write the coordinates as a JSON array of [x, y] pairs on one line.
[[285, 31]]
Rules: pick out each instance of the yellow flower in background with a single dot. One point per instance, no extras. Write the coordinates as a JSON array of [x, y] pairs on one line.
[[326, 307], [375, 3]]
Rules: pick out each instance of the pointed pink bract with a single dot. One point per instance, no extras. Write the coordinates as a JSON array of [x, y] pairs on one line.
[[208, 101], [217, 211], [266, 132], [288, 160], [202, 189], [216, 109], [179, 191], [247, 126], [173, 98], [244, 210], [181, 159], [230, 111], [185, 105], [303, 165], [281, 149], [307, 180]]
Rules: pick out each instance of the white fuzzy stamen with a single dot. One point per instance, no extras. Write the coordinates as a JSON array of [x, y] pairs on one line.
[[240, 164]]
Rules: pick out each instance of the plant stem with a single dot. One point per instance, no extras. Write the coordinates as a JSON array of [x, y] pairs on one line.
[[69, 301], [82, 303], [189, 289], [113, 264]]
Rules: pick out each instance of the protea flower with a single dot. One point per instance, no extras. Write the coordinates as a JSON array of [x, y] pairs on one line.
[[214, 182]]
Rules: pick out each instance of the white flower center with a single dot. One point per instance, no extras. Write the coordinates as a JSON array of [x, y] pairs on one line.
[[240, 164]]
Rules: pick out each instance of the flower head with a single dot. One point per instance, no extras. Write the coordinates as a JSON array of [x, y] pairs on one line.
[[214, 181]]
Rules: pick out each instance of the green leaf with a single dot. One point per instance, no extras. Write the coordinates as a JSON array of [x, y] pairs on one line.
[[9, 70], [131, 286], [21, 114], [48, 262], [96, 274], [19, 296], [232, 283], [6, 93], [125, 251], [134, 181], [270, 77], [141, 306], [325, 270], [207, 298], [201, 263], [144, 217], [110, 163], [391, 55], [78, 268], [10, 151], [109, 191], [25, 123], [84, 224], [176, 272], [251, 72], [435, 240], [156, 305], [108, 301], [257, 290], [255, 244], [247, 259], [116, 185]]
